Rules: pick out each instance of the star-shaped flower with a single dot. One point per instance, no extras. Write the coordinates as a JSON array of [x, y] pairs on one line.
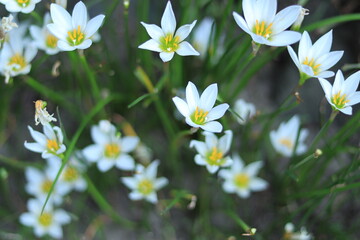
[[313, 60], [342, 95], [165, 40], [199, 111], [265, 26]]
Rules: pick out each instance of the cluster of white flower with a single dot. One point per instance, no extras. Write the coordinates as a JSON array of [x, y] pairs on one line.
[[40, 182], [60, 32], [110, 149]]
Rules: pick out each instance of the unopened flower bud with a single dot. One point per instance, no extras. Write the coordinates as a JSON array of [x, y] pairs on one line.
[[317, 153], [297, 24]]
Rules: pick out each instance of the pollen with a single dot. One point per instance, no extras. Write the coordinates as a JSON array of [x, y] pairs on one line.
[[262, 29], [215, 157], [199, 116], [17, 60], [70, 174], [145, 187], [23, 3], [287, 143], [46, 185], [52, 145], [51, 41], [76, 36], [241, 180], [45, 219], [169, 43], [112, 150], [311, 63], [339, 100]]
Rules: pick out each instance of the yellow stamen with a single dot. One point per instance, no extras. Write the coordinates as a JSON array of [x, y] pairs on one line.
[[262, 29], [339, 100], [46, 185], [287, 143], [51, 41], [199, 116], [215, 157], [145, 187], [52, 145], [112, 150], [241, 180], [70, 174], [315, 67], [76, 36], [45, 219], [169, 43], [19, 60], [23, 3]]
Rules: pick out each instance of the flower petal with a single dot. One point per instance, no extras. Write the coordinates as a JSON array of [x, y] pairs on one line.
[[258, 184], [351, 83], [93, 25], [326, 86], [322, 45], [130, 182], [200, 147], [225, 141], [208, 97], [284, 38], [285, 18], [294, 57], [184, 31], [160, 183], [60, 16], [79, 16], [64, 46], [217, 112], [212, 127], [125, 162], [304, 46], [248, 7], [241, 22], [185, 49], [253, 168], [181, 106], [192, 97], [105, 164], [166, 56], [129, 143], [168, 21], [151, 45], [330, 59], [37, 136], [154, 31]]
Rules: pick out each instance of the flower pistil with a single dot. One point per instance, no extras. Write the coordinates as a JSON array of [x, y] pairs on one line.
[[339, 100], [199, 116], [76, 36], [169, 43], [215, 157], [262, 29]]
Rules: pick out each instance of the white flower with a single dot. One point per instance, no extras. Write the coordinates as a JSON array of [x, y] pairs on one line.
[[144, 183], [16, 55], [164, 41], [202, 36], [41, 114], [245, 110], [24, 6], [199, 111], [265, 26], [49, 222], [39, 184], [313, 60], [49, 143], [71, 176], [291, 235], [284, 139], [73, 31], [7, 23], [109, 149], [242, 179], [62, 3], [211, 153], [342, 95], [43, 39]]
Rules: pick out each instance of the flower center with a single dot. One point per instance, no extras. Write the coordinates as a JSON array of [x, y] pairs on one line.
[[45, 219], [18, 61], [199, 116], [112, 150], [311, 63], [339, 100], [215, 157], [52, 145], [51, 41], [46, 185], [241, 180], [76, 36], [287, 143], [23, 3], [145, 187], [169, 43], [70, 174], [262, 29]]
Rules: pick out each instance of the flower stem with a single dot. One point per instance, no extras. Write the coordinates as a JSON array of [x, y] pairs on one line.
[[91, 77], [324, 129]]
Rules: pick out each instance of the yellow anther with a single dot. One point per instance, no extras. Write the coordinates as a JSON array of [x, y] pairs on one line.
[[315, 67], [51, 41], [339, 100], [287, 143], [45, 219], [52, 145], [262, 29], [46, 185], [241, 180], [70, 174], [199, 116], [19, 60], [112, 150], [145, 187], [169, 43], [215, 157], [76, 36]]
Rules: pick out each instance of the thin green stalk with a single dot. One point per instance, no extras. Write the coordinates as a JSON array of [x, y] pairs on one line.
[[323, 130], [332, 21], [105, 206], [91, 77], [175, 146], [239, 221], [16, 163], [98, 107]]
